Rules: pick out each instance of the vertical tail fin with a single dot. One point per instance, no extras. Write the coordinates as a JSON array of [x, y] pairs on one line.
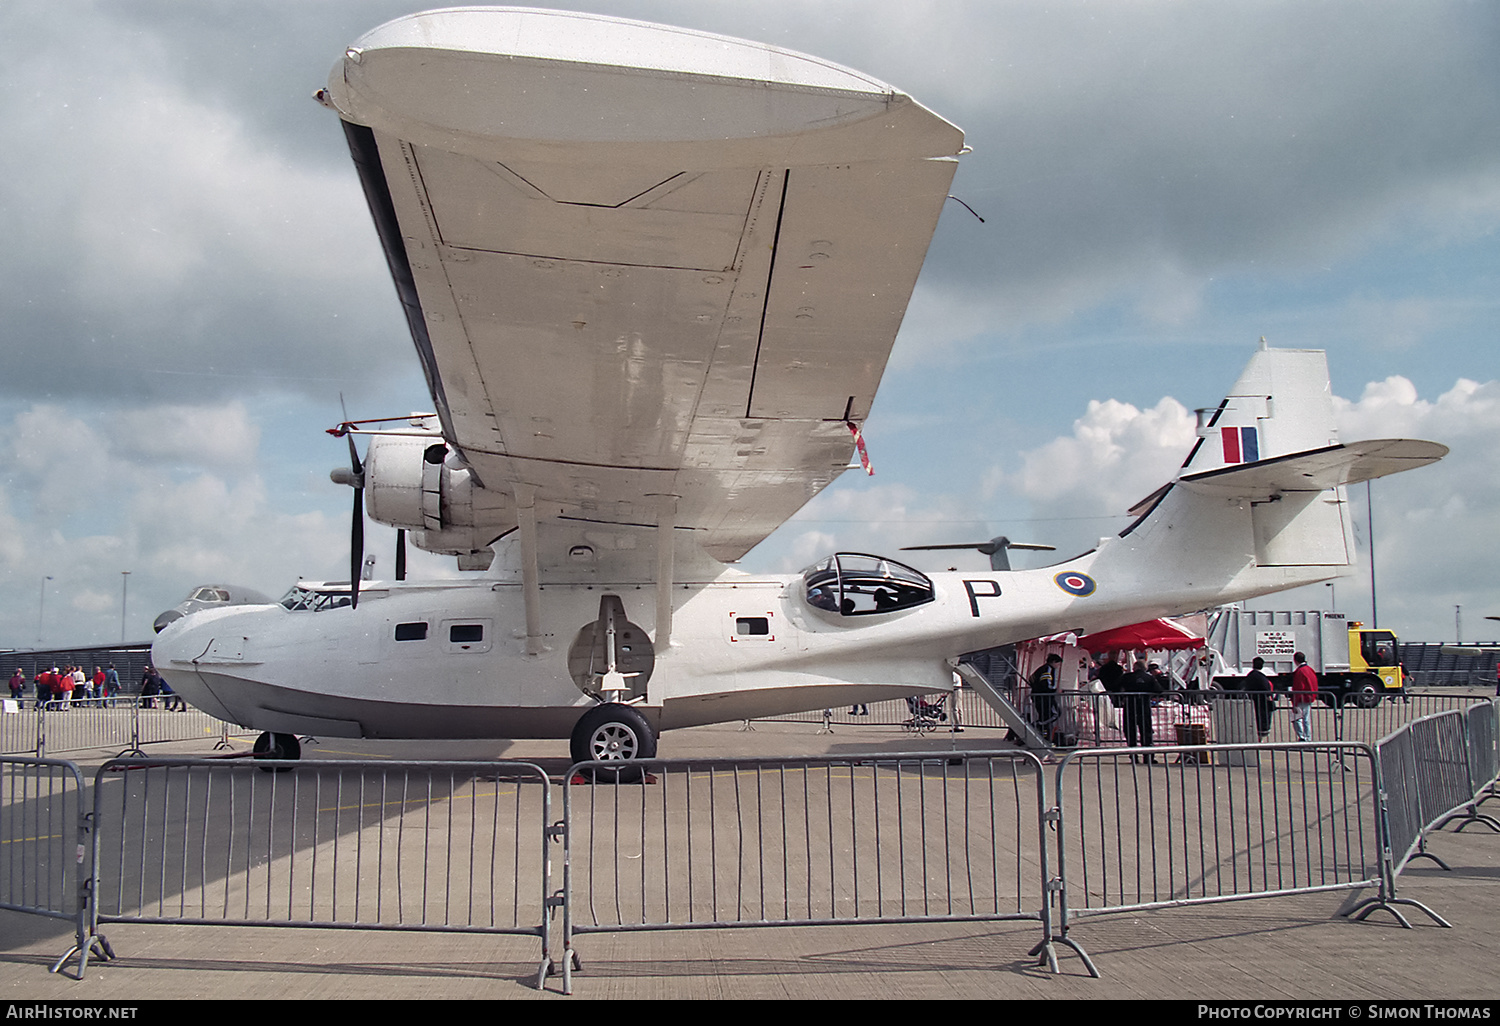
[[1281, 404], [1259, 505]]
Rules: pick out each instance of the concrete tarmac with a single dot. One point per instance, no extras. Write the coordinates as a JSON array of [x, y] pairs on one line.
[[1279, 949]]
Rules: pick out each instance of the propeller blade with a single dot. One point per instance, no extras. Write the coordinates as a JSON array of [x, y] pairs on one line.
[[357, 521], [354, 462], [356, 547], [401, 554], [996, 548]]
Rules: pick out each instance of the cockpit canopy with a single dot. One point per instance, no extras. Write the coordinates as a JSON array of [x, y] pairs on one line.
[[857, 584], [315, 598]]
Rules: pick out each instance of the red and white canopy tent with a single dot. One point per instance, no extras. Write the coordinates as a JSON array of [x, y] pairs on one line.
[[1152, 636]]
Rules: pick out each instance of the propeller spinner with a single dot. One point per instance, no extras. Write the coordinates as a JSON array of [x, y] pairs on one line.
[[996, 548]]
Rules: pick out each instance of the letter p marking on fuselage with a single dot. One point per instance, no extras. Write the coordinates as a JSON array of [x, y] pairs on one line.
[[990, 589]]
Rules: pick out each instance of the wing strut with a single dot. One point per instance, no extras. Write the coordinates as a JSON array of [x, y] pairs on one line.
[[531, 589], [666, 524]]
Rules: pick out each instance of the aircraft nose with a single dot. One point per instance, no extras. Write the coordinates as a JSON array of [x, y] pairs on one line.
[[169, 617]]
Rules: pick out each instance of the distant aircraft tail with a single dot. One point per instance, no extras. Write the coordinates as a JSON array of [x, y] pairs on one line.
[[1259, 504]]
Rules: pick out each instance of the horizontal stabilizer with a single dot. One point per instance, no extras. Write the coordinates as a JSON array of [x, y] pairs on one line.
[[1316, 469]]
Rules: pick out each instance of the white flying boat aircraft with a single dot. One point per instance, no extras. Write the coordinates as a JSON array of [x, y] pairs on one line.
[[653, 277]]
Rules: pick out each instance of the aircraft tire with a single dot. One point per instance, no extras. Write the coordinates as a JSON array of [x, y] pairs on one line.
[[613, 733], [277, 746]]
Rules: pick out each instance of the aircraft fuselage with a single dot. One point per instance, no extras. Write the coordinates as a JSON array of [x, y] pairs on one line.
[[449, 659]]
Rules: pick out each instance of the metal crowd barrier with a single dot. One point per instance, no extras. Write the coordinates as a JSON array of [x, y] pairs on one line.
[[18, 730], [1483, 725], [119, 723], [1092, 719], [1437, 769], [758, 843], [816, 841], [1171, 826], [430, 846], [44, 835]]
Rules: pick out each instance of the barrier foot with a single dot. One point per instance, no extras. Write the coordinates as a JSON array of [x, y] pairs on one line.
[[1046, 953], [97, 945], [1430, 855], [1387, 903], [1370, 905], [570, 964], [1470, 816], [547, 968]]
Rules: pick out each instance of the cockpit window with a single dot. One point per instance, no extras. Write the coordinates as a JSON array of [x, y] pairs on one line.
[[856, 584], [301, 599], [210, 595]]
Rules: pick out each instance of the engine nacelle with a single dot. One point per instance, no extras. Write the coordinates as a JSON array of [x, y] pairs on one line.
[[412, 482]]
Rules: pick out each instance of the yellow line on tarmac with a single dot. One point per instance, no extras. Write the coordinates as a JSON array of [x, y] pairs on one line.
[[23, 840]]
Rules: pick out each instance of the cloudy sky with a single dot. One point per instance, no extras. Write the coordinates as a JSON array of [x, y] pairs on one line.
[[189, 279]]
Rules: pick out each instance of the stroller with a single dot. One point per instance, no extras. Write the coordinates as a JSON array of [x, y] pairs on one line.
[[925, 715]]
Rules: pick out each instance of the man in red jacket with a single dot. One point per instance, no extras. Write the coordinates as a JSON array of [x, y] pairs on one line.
[[1304, 694]]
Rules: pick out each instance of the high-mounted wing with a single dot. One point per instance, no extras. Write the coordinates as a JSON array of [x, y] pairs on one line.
[[640, 261]]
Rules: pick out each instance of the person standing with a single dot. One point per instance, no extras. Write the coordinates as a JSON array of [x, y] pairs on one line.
[[1112, 677], [17, 684], [111, 684], [1043, 681], [1304, 694], [1139, 689], [1259, 687], [150, 687]]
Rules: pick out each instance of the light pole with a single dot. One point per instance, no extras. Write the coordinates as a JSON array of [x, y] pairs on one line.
[[41, 610], [124, 600], [1333, 600], [1370, 527]]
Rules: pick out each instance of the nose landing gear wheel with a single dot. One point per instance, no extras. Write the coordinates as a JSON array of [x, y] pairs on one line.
[[613, 733], [277, 746]]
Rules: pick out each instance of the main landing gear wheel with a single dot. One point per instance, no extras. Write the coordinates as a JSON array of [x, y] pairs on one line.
[[277, 746], [613, 733]]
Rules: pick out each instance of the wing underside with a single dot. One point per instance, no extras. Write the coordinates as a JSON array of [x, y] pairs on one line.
[[628, 282]]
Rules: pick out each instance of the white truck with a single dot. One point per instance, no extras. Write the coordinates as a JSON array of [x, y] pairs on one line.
[[1355, 664]]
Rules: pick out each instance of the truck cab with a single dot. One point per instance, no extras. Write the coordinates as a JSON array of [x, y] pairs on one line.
[[1372, 653]]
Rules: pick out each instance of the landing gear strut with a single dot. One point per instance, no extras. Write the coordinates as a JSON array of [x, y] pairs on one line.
[[277, 746]]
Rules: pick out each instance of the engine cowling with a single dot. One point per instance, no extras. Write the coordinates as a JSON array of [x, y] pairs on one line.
[[413, 482]]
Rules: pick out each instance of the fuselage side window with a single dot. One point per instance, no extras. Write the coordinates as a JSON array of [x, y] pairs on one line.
[[466, 633], [411, 631]]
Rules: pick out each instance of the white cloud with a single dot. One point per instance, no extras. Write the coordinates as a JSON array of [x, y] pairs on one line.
[[1115, 456], [1434, 527], [91, 601], [216, 435], [154, 492]]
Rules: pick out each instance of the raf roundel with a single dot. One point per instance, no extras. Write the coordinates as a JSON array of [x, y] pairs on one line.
[[1073, 583]]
